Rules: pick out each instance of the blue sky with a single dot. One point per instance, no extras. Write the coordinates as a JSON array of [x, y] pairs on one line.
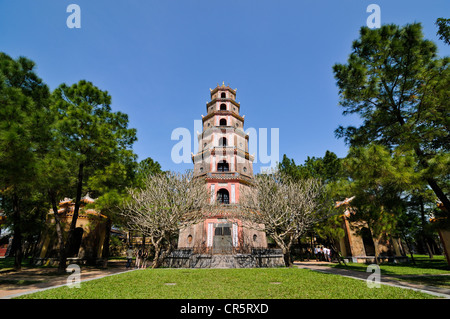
[[158, 60]]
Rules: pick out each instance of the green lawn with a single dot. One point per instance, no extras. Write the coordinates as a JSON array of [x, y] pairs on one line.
[[424, 266], [426, 271], [7, 264], [272, 283]]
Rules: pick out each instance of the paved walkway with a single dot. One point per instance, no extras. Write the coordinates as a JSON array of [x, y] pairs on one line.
[[37, 279], [386, 280]]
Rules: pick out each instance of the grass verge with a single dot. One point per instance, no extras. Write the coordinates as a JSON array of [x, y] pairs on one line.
[[425, 271], [267, 283]]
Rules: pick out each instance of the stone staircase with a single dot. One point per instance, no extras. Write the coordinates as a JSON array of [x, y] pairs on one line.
[[258, 258], [223, 261]]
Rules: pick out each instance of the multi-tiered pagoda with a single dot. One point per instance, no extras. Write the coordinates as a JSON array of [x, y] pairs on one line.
[[225, 164]]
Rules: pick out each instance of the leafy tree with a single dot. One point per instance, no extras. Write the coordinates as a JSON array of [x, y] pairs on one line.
[[395, 82], [113, 184], [166, 203], [378, 181], [58, 182], [145, 168], [96, 138], [23, 134], [443, 29], [110, 186], [331, 229], [328, 170], [284, 208], [325, 168], [289, 168], [420, 206]]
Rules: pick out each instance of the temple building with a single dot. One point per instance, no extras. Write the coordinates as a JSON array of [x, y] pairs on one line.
[[226, 166], [89, 234], [443, 231], [4, 241], [359, 245]]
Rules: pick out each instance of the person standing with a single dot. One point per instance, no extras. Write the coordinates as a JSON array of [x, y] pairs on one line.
[[326, 253], [144, 258], [129, 257], [138, 258]]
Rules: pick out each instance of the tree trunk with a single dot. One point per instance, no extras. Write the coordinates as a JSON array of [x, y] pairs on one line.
[[161, 254], [409, 248], [164, 254], [155, 263], [76, 209], [17, 239], [301, 249], [287, 258], [105, 250], [156, 244], [374, 246], [33, 250], [286, 249], [334, 247], [376, 253], [432, 182], [60, 236]]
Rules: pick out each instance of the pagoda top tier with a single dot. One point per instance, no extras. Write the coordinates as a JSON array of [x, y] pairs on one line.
[[220, 91]]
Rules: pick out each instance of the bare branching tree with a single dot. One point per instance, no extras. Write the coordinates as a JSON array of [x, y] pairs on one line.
[[166, 203], [285, 209]]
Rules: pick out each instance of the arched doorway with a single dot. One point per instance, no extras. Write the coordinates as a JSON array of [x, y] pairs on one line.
[[223, 242], [369, 245], [76, 242]]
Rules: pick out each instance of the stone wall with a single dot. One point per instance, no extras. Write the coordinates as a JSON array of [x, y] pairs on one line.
[[444, 234], [258, 259]]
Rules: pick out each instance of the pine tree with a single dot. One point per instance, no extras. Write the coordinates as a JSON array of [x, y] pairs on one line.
[[397, 84], [23, 136]]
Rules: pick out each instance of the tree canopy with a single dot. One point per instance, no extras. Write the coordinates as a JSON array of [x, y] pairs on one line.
[[397, 84]]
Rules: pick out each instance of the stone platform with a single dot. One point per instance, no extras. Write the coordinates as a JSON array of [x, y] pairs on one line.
[[256, 259]]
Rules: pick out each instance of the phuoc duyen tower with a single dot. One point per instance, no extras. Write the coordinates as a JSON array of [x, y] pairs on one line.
[[223, 161]]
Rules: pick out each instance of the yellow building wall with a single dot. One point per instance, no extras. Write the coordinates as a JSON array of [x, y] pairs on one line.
[[444, 234]]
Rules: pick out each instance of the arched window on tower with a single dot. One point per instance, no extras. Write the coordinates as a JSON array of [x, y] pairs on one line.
[[223, 141], [223, 122], [223, 95], [223, 196], [223, 166], [223, 107]]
